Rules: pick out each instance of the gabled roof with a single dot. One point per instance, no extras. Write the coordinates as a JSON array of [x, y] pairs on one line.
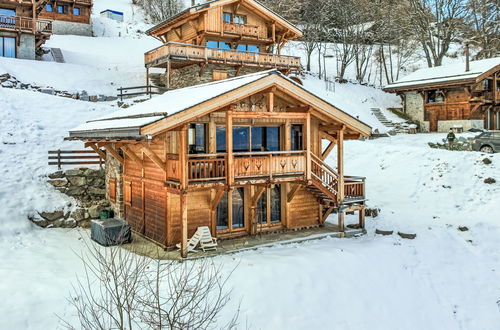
[[180, 106], [453, 74], [280, 20]]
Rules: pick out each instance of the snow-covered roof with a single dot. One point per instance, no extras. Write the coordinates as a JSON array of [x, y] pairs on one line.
[[165, 105], [112, 11], [127, 123], [449, 74]]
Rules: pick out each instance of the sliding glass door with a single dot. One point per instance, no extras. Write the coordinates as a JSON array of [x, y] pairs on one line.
[[231, 211], [8, 47], [269, 207]]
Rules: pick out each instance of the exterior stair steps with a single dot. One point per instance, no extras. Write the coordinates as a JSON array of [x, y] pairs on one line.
[[57, 55], [393, 127]]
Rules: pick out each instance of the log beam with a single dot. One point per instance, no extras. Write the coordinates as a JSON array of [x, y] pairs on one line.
[[157, 160], [96, 149], [131, 154], [292, 192], [113, 153], [328, 150]]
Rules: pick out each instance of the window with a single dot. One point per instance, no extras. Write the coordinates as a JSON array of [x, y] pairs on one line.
[[197, 138], [5, 18], [227, 17], [269, 206], [248, 48], [7, 12], [296, 139], [488, 85], [239, 19], [220, 138], [234, 217], [218, 44], [435, 96], [76, 11], [112, 190], [246, 138], [265, 138], [61, 9], [241, 139], [219, 75], [48, 8], [8, 47]]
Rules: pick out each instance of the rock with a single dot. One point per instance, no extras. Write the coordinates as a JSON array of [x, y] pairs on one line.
[[52, 216], [384, 232], [68, 223], [372, 212], [78, 214], [489, 181], [93, 98], [97, 191], [39, 221], [111, 98], [4, 77], [75, 191], [74, 172], [93, 173], [407, 236], [56, 175], [463, 228], [84, 96], [77, 181], [49, 91], [58, 182], [84, 223], [61, 189], [101, 98], [95, 211], [353, 226], [487, 161]]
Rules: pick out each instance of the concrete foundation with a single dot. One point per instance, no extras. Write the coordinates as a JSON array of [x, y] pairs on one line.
[[26, 48], [80, 29]]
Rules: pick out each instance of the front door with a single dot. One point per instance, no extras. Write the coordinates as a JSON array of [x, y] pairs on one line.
[[433, 121]]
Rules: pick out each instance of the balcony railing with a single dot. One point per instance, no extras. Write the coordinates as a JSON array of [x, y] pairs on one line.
[[158, 57], [24, 24], [242, 29]]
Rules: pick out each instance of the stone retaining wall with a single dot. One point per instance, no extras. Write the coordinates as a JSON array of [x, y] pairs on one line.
[[88, 187]]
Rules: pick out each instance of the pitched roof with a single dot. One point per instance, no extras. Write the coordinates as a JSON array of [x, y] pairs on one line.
[[183, 104], [446, 74], [204, 6]]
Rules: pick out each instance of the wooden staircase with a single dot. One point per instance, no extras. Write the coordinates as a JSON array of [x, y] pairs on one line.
[[324, 185]]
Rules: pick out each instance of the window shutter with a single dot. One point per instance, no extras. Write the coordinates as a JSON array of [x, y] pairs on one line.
[[127, 193], [112, 190]]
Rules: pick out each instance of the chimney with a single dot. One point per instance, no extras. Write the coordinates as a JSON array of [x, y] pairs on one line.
[[467, 58]]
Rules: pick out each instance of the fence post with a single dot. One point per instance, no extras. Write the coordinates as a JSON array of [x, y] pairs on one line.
[[59, 159]]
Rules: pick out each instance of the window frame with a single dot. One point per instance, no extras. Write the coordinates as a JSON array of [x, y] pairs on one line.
[[63, 7], [2, 40], [79, 11]]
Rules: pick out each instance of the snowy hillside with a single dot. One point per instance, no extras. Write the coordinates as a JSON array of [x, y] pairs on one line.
[[444, 279]]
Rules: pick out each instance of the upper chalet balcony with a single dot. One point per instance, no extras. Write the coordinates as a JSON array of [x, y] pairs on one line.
[[243, 30], [25, 24], [180, 55]]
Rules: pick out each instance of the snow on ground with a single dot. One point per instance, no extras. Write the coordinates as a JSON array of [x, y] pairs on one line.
[[444, 279]]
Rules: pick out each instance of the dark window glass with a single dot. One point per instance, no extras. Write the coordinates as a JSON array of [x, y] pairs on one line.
[[276, 204], [220, 138], [296, 137], [222, 216], [435, 97], [240, 19], [272, 139], [241, 139], [48, 7], [226, 17], [8, 47], [76, 11], [224, 45], [242, 47], [262, 208], [257, 134], [197, 138], [212, 44], [61, 9], [238, 208]]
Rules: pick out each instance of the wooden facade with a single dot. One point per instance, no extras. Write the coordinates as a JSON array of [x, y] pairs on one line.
[[237, 33], [246, 162], [457, 103], [22, 17], [75, 11]]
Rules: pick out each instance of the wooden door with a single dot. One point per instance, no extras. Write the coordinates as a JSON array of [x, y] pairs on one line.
[[433, 121]]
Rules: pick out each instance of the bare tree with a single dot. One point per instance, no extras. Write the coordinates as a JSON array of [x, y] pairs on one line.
[[436, 24], [159, 10], [122, 290], [484, 27]]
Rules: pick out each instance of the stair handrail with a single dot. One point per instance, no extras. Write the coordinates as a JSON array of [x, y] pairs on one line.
[[330, 172]]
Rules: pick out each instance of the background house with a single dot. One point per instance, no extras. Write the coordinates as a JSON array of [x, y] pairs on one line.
[[70, 17], [460, 95]]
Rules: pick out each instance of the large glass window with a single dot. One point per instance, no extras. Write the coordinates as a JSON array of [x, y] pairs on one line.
[[76, 11], [241, 139], [222, 214], [220, 137], [246, 138], [197, 138], [48, 8], [296, 139], [269, 206], [8, 47], [238, 208], [237, 219], [61, 9], [7, 12], [218, 44], [248, 48], [276, 204], [262, 209], [226, 17], [239, 19], [7, 19]]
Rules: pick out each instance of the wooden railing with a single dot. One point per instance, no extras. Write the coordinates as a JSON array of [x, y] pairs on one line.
[[74, 157], [148, 90], [354, 187], [208, 167], [269, 164], [17, 23], [242, 29], [328, 177], [193, 53]]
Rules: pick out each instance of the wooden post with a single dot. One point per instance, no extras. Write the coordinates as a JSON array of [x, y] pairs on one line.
[[147, 77], [308, 146], [362, 218], [184, 224], [340, 169], [183, 157], [229, 147], [270, 101], [168, 73]]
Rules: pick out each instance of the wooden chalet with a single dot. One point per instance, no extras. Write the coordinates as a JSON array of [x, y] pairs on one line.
[[458, 96], [241, 35], [21, 29], [74, 11], [242, 156]]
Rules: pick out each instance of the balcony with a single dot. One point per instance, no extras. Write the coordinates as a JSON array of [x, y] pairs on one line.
[[181, 55], [25, 24], [246, 30]]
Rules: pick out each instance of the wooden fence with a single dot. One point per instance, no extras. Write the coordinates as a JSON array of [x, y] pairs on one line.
[[149, 90], [74, 157]]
